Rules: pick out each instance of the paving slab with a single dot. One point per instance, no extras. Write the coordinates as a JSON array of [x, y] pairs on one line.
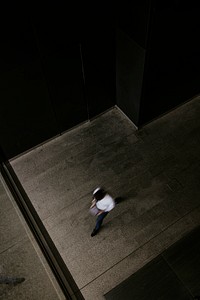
[[24, 273]]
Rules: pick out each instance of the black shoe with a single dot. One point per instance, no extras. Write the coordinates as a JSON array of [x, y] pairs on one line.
[[94, 232]]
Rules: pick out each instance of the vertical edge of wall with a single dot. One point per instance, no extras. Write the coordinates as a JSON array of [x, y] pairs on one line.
[[129, 120], [130, 60], [171, 74]]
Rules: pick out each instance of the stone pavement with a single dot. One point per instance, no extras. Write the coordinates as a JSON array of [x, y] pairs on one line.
[[24, 273], [156, 171]]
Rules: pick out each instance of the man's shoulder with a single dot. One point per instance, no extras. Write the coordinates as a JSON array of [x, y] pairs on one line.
[[108, 198]]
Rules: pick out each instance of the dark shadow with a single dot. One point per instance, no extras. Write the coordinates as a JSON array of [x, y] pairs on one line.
[[11, 280], [120, 199]]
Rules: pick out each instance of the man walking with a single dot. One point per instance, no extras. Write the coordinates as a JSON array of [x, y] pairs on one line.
[[104, 204]]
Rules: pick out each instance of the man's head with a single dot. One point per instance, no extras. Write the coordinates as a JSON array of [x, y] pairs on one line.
[[99, 193]]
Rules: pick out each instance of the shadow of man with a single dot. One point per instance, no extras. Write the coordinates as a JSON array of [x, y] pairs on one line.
[[119, 199]]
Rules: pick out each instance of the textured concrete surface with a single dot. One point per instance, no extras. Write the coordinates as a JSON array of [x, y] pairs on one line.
[[20, 258], [174, 274], [157, 172]]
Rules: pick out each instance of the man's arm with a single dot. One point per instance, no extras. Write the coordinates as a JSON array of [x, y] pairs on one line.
[[93, 203], [100, 212]]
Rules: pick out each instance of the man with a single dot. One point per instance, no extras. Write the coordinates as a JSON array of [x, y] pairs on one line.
[[104, 203]]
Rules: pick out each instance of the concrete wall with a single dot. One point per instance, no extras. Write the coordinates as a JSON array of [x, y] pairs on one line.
[[130, 61], [60, 65], [158, 57], [57, 70], [173, 58]]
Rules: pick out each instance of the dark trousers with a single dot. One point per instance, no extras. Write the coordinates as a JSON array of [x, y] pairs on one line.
[[99, 220]]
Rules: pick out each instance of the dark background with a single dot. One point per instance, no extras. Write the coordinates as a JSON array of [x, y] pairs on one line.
[[173, 58], [62, 64]]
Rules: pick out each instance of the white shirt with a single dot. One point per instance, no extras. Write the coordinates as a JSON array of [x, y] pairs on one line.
[[106, 204]]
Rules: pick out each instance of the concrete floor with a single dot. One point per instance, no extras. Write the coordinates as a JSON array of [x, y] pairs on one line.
[[24, 273], [156, 171]]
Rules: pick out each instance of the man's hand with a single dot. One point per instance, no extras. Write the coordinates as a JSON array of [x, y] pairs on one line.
[[93, 203], [100, 212]]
